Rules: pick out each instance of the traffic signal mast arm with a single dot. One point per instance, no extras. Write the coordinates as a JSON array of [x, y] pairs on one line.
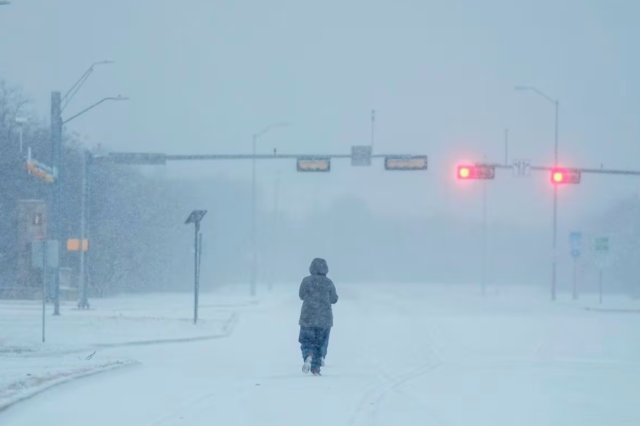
[[577, 169]]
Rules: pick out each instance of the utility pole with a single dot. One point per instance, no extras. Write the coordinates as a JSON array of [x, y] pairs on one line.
[[56, 216], [82, 284]]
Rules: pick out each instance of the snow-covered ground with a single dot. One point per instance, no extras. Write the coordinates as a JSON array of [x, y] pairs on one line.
[[399, 355], [76, 340]]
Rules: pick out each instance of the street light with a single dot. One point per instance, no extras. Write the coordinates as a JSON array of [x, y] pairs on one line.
[[556, 104], [254, 260], [71, 93], [21, 121], [56, 161], [110, 98]]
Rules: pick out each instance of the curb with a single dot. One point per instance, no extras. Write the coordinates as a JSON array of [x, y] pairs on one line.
[[64, 380], [227, 329]]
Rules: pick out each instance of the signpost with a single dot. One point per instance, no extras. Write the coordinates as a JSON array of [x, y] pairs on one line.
[[196, 217], [601, 245], [44, 256], [575, 241]]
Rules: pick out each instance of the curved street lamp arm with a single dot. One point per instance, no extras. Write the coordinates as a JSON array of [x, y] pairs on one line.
[[78, 84], [269, 127], [539, 92], [111, 98]]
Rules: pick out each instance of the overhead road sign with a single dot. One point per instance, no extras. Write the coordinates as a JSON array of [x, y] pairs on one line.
[[361, 155], [408, 162], [313, 164]]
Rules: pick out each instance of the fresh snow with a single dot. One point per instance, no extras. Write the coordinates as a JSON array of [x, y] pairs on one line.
[[398, 355]]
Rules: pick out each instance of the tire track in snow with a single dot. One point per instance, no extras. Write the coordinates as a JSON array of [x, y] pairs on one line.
[[366, 411]]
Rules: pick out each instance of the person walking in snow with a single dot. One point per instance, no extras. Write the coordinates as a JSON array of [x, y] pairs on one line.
[[317, 293]]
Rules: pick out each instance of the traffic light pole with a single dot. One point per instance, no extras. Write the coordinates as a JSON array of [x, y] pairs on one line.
[[554, 261], [56, 216], [484, 237]]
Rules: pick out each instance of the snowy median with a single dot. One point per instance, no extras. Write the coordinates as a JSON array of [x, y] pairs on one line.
[[121, 321], [76, 340]]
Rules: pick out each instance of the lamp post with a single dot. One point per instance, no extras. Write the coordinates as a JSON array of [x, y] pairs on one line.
[[57, 122], [554, 261], [254, 254], [21, 121]]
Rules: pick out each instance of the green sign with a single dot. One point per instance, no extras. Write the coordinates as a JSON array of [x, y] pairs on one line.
[[602, 244]]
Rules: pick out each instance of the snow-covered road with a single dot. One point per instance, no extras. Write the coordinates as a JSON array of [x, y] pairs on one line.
[[399, 355]]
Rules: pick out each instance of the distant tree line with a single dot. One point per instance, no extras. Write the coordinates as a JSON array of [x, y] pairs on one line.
[[130, 214]]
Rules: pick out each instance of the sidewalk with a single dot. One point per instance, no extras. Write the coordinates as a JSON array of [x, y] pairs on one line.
[[76, 338], [123, 320]]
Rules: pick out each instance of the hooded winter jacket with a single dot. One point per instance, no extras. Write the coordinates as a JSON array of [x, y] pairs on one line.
[[317, 293]]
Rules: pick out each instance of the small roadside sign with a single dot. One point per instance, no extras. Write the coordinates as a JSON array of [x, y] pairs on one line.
[[575, 241], [522, 168], [602, 245], [361, 155]]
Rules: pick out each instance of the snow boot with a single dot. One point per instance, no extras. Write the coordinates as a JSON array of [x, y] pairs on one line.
[[306, 367], [316, 372]]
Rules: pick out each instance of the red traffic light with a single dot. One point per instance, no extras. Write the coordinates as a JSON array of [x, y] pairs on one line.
[[478, 171], [562, 176]]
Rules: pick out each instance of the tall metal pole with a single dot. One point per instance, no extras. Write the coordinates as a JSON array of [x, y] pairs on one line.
[[554, 261], [254, 255], [276, 227], [484, 236], [600, 285], [196, 278], [575, 278], [44, 288], [56, 160], [21, 144], [554, 254], [83, 303]]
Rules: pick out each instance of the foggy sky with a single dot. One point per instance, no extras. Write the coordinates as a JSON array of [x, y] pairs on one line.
[[204, 75]]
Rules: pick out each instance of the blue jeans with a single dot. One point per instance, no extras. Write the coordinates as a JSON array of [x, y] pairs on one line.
[[314, 341], [324, 348]]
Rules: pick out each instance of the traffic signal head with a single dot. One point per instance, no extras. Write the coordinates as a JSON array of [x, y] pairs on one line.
[[562, 176], [478, 171]]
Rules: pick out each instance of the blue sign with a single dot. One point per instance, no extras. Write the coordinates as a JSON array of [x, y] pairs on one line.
[[575, 239]]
